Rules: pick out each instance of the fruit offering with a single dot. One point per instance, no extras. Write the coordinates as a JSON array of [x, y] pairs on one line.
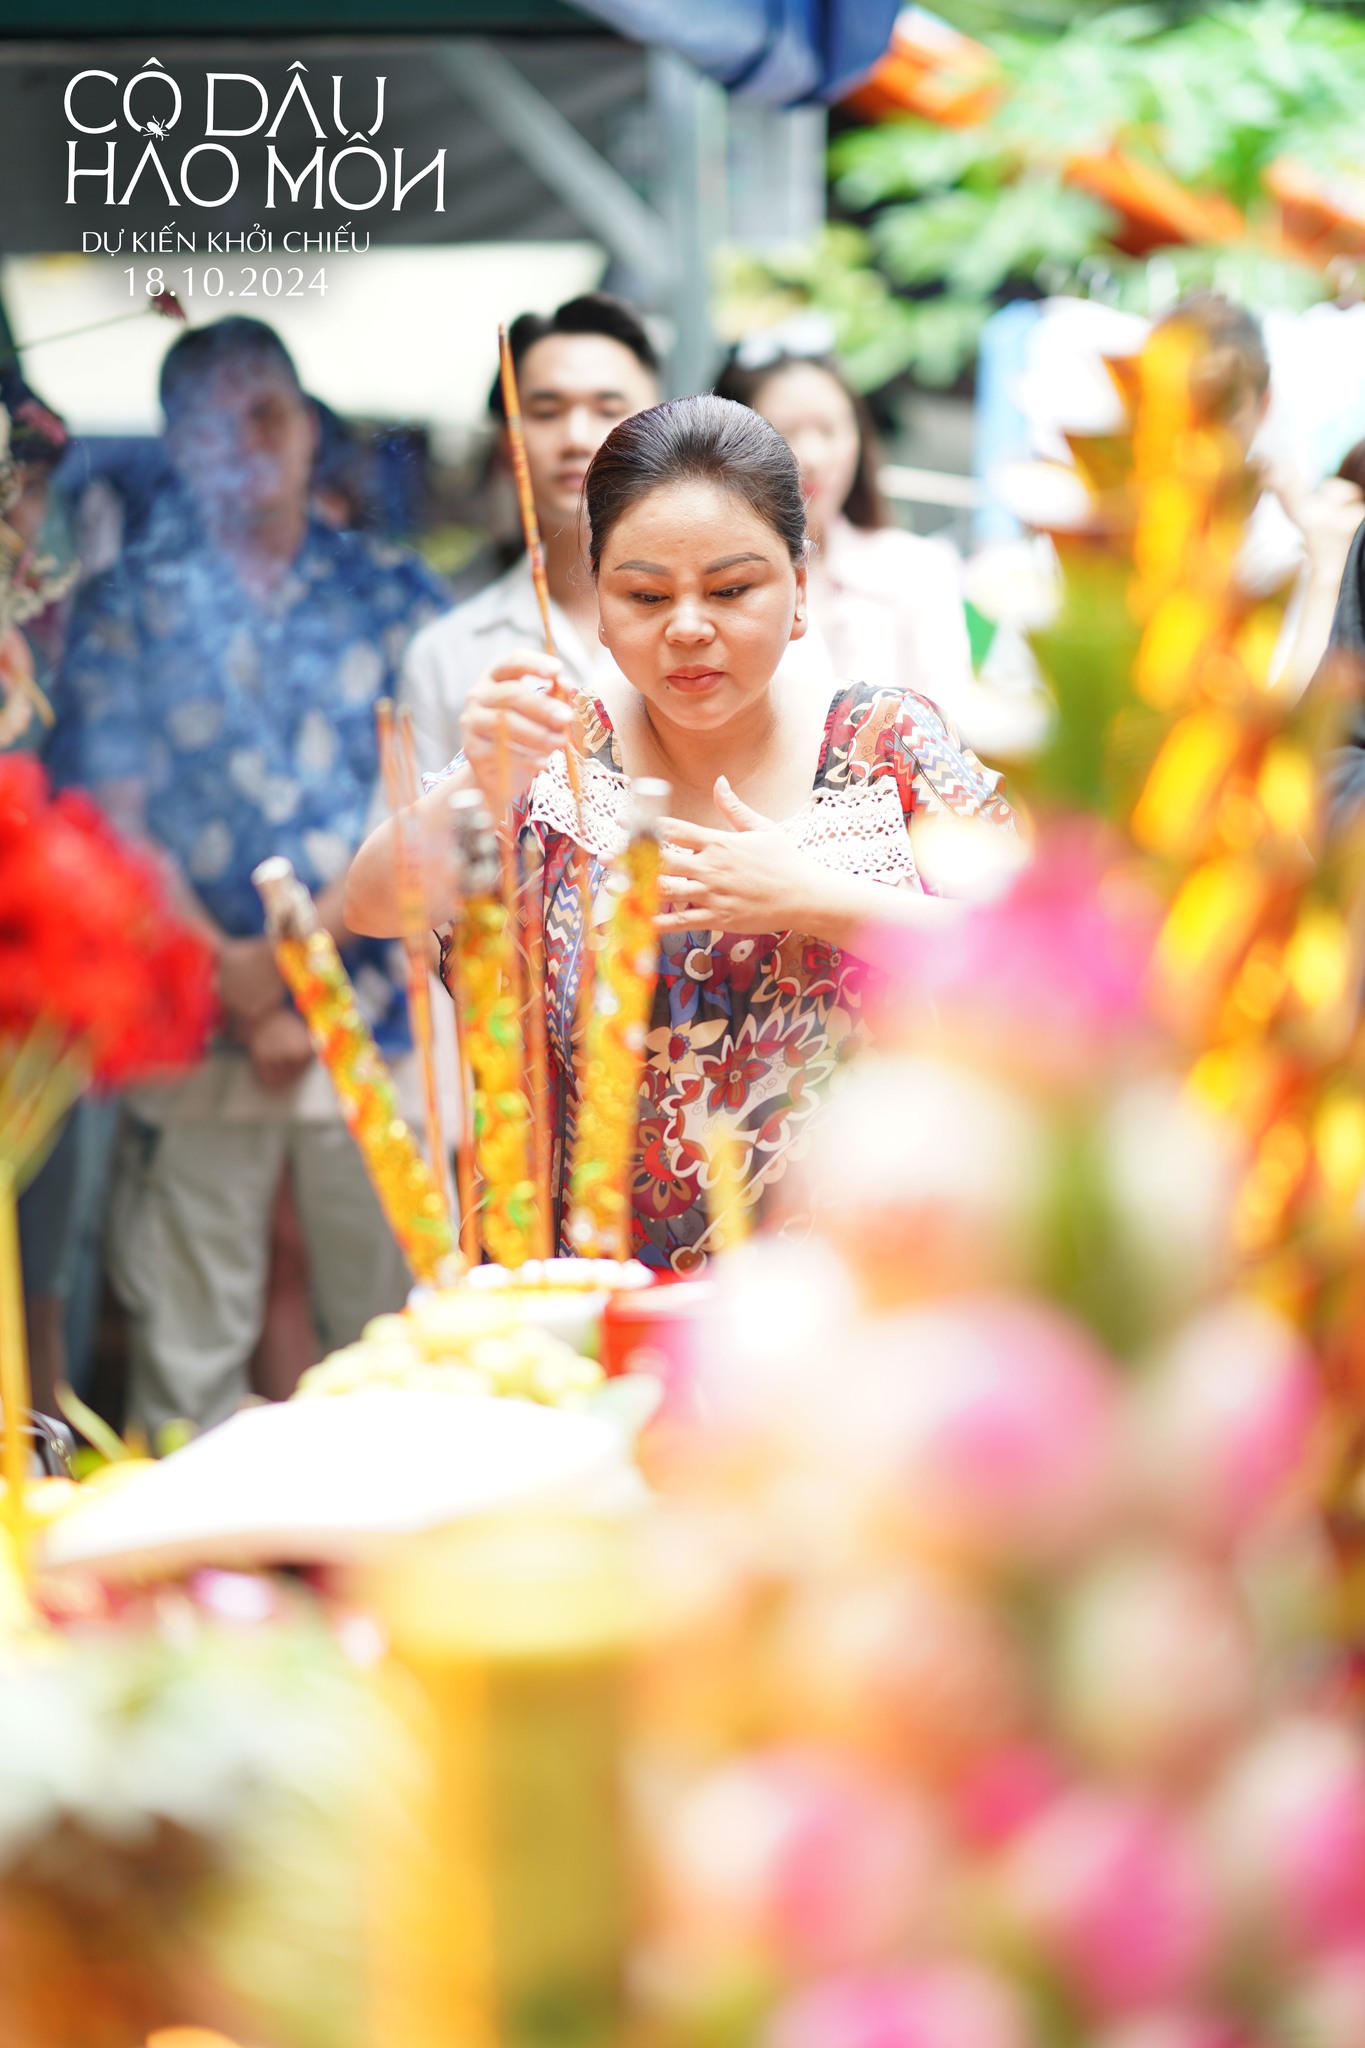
[[459, 1342], [568, 1297]]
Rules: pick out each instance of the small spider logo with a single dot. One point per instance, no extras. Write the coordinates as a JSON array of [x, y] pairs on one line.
[[160, 129]]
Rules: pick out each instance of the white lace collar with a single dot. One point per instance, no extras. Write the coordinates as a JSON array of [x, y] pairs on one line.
[[857, 830]]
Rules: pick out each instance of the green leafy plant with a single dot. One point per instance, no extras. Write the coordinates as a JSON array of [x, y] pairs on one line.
[[946, 223]]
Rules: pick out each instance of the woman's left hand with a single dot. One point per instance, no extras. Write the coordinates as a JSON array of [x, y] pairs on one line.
[[750, 878]]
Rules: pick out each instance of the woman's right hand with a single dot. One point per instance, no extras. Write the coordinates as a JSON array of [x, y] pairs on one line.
[[512, 722]]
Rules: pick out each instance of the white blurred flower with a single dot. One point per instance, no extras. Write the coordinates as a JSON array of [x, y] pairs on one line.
[[1155, 1665], [909, 1133], [1016, 583], [967, 860], [1226, 1422], [1171, 1170]]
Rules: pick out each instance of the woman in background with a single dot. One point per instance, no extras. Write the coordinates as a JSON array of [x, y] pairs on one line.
[[883, 602]]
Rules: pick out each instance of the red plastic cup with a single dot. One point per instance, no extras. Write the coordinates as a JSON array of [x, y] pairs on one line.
[[658, 1330]]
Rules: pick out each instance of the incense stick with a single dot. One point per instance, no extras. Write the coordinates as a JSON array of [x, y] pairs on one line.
[[521, 474], [530, 527], [537, 1035]]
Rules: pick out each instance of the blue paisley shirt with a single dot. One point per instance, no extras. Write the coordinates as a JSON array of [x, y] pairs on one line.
[[249, 723]]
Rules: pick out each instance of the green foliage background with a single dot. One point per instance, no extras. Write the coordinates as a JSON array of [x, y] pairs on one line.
[[941, 225]]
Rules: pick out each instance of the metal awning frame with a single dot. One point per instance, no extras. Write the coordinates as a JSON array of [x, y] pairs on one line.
[[662, 246]]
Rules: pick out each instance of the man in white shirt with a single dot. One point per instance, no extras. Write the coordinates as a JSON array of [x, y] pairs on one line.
[[580, 369]]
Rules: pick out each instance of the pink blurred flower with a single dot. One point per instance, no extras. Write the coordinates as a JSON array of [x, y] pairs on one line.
[[1115, 1896], [803, 1858], [904, 1665], [1178, 2030], [928, 1174], [929, 2008], [1003, 1793], [1228, 1418], [991, 1423], [1051, 976], [1288, 1831]]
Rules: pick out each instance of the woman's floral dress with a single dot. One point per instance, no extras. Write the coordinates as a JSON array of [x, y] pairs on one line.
[[746, 1029]]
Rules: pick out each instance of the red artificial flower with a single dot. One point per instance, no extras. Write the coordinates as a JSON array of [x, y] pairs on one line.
[[90, 944]]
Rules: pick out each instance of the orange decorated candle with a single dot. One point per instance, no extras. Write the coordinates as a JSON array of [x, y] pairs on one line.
[[609, 1096], [413, 1204], [483, 955]]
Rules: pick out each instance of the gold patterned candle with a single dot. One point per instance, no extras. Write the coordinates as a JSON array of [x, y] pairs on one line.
[[609, 1094], [484, 956], [413, 1205]]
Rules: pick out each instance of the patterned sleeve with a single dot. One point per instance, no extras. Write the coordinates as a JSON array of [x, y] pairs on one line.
[[900, 734], [100, 736]]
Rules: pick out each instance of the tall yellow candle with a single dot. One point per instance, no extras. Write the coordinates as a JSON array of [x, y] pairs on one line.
[[609, 1091], [14, 1380], [501, 1898], [485, 963], [414, 1206]]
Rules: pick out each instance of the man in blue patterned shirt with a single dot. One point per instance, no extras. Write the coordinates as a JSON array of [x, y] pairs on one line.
[[218, 699]]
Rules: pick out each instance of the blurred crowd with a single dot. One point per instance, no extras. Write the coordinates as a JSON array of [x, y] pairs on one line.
[[238, 608]]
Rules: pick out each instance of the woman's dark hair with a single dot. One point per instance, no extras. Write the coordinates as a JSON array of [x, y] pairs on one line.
[[696, 440], [201, 351], [1352, 466], [864, 505], [592, 313]]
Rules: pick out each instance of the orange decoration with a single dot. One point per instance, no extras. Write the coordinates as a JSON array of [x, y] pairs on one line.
[[933, 72], [188, 2037], [1156, 207]]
